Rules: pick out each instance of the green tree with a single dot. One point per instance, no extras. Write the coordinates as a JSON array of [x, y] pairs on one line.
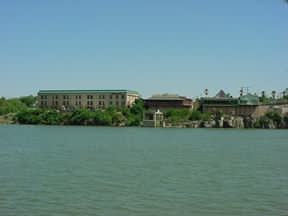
[[11, 106], [102, 118], [177, 115], [286, 119], [138, 107], [28, 100], [81, 117], [206, 116], [218, 115], [263, 122], [29, 116], [195, 116], [2, 99], [51, 117], [274, 116], [133, 115]]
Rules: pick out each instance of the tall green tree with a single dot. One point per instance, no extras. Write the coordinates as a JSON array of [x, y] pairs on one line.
[[28, 100], [11, 106]]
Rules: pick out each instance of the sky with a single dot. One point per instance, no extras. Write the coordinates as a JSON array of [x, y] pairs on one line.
[[151, 46]]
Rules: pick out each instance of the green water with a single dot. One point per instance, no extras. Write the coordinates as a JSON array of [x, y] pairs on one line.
[[141, 171]]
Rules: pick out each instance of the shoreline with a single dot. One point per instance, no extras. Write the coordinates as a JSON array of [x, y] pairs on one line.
[[179, 127]]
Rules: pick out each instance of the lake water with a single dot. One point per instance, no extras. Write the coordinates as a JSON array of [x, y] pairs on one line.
[[142, 171]]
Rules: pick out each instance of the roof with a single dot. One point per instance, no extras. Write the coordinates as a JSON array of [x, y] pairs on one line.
[[220, 105], [222, 94], [246, 100], [218, 99], [249, 99], [87, 92], [167, 97]]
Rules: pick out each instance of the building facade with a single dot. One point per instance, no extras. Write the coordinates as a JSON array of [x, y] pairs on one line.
[[168, 101], [246, 105], [67, 100], [153, 119]]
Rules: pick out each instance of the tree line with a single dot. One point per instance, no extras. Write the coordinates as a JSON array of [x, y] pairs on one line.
[[15, 105], [111, 116]]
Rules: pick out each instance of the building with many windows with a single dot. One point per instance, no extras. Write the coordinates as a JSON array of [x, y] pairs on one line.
[[85, 99]]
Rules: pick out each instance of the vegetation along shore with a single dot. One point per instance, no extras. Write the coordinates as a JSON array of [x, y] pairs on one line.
[[23, 111]]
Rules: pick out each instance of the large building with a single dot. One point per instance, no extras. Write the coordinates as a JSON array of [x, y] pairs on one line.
[[85, 99], [243, 106], [168, 101]]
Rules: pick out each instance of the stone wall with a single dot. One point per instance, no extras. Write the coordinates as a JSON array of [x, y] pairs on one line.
[[262, 109], [253, 111]]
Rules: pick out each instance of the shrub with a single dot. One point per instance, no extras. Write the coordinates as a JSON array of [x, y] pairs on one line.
[[218, 115], [102, 118], [29, 116], [80, 117], [51, 117], [274, 116], [206, 116], [195, 116], [177, 115], [286, 118], [263, 122]]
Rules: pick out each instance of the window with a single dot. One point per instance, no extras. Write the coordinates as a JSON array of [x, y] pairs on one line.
[[117, 103], [89, 96], [65, 103], [117, 96], [123, 97], [111, 103], [111, 96]]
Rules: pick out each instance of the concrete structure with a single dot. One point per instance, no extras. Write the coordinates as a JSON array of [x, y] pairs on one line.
[[153, 119], [281, 108], [168, 101], [85, 99]]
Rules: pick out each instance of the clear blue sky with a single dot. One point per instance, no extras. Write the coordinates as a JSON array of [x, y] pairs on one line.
[[152, 46]]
